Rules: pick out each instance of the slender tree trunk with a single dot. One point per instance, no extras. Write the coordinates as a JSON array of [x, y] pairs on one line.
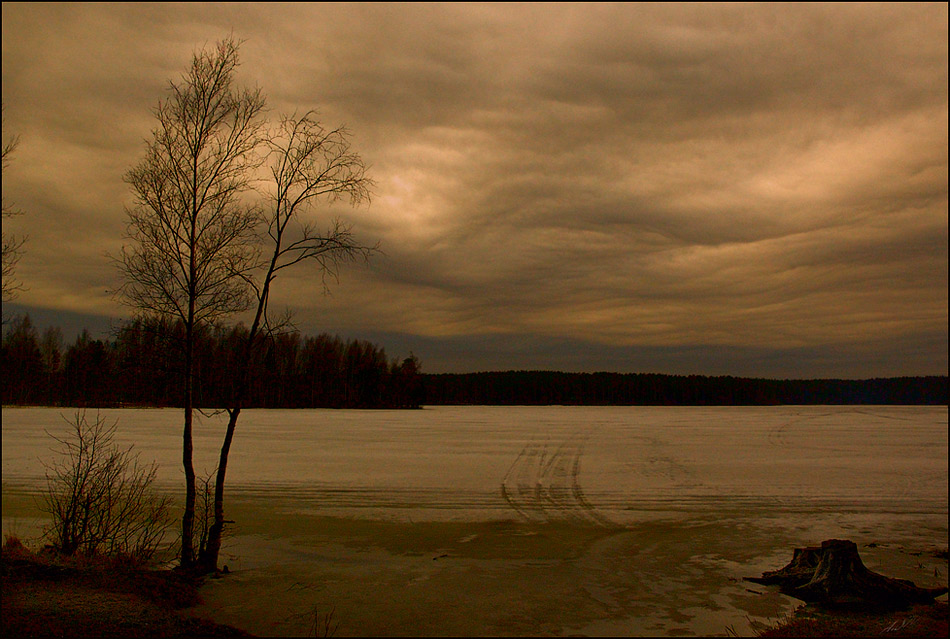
[[209, 557], [188, 519]]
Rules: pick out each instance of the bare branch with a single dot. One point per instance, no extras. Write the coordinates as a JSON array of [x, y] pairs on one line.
[[191, 240], [12, 245], [311, 163]]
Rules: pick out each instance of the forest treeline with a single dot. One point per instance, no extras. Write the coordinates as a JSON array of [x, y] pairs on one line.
[[621, 389], [141, 366]]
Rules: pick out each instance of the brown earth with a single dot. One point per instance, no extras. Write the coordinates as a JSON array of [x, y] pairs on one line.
[[43, 596]]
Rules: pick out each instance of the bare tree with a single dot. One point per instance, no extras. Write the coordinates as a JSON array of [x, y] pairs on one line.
[[192, 243], [308, 164], [12, 245], [195, 246]]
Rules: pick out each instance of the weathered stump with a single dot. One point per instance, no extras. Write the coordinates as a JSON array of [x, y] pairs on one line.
[[834, 575], [797, 573]]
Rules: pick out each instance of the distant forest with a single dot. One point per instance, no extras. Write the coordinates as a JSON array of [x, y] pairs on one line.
[[141, 365], [617, 389]]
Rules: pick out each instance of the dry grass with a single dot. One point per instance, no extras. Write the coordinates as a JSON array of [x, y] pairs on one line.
[[918, 621]]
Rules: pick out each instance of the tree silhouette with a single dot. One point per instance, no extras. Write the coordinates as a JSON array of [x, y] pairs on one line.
[[195, 243], [190, 235]]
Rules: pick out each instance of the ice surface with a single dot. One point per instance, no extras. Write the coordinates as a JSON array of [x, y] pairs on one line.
[[536, 520]]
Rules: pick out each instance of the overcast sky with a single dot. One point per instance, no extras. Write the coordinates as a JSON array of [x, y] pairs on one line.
[[755, 190]]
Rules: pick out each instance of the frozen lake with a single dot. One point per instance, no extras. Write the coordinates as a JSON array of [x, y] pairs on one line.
[[605, 464], [699, 496]]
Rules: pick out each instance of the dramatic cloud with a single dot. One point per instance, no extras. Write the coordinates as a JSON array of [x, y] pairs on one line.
[[722, 189]]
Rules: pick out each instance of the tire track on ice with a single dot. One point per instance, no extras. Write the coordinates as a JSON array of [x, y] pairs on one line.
[[544, 485]]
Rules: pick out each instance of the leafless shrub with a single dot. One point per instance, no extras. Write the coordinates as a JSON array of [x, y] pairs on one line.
[[100, 498]]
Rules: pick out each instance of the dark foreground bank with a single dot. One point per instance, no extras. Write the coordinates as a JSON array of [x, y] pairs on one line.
[[44, 596]]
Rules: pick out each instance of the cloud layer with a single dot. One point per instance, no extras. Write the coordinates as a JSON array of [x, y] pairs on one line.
[[558, 185]]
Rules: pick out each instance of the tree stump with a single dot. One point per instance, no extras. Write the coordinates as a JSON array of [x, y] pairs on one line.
[[834, 575]]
